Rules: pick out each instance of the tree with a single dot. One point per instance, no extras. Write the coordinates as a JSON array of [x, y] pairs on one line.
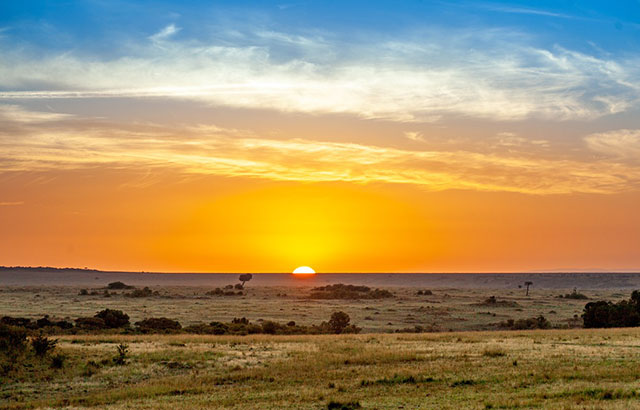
[[245, 277], [339, 322], [527, 284]]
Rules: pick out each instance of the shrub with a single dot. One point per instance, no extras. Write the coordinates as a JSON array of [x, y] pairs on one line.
[[573, 295], [339, 322], [607, 314], [118, 286], [42, 345], [158, 324], [113, 318], [539, 322], [83, 292], [122, 351], [12, 339], [18, 322], [90, 323], [215, 292], [336, 405], [142, 293], [57, 361], [341, 291]]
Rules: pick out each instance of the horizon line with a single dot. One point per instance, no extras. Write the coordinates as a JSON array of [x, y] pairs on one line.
[[549, 271]]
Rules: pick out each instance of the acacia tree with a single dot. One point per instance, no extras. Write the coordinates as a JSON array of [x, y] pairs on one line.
[[527, 284], [245, 277]]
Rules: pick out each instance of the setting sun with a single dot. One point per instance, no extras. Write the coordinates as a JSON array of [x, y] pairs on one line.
[[304, 270]]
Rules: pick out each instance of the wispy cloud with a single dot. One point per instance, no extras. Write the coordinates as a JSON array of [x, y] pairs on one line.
[[410, 80], [623, 144], [15, 203], [524, 10], [241, 153], [165, 33]]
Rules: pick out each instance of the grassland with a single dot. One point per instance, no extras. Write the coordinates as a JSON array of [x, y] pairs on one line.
[[458, 364], [445, 310], [522, 369]]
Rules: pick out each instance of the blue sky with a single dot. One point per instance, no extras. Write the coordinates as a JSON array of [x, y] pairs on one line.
[[545, 80], [100, 27]]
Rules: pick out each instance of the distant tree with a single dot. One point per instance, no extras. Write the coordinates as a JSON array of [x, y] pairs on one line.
[[245, 277], [339, 322], [527, 284]]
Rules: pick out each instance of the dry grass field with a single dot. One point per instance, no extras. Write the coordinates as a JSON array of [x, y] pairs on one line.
[[456, 364], [518, 369], [446, 309]]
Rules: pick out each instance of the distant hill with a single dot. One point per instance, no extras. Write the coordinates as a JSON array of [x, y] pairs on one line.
[[46, 269]]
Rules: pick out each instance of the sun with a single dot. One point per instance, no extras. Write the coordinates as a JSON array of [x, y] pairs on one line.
[[304, 270]]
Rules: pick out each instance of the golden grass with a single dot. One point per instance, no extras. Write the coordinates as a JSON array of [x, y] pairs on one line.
[[523, 369]]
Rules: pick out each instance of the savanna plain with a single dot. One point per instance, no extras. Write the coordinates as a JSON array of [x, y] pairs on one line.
[[419, 347]]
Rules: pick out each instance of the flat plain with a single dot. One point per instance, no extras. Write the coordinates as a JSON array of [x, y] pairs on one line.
[[463, 358]]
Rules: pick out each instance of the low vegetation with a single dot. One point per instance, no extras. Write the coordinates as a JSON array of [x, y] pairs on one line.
[[342, 291], [491, 301], [625, 313], [574, 295], [116, 321]]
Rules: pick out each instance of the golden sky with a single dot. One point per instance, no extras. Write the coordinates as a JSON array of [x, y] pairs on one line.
[[499, 140]]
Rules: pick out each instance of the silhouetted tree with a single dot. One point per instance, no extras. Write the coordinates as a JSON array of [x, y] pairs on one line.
[[527, 284], [339, 322], [245, 277]]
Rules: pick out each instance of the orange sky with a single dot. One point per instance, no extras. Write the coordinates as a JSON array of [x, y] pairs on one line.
[[101, 219], [346, 136]]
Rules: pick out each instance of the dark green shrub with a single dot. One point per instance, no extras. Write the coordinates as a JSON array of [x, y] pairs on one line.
[[121, 358], [57, 361], [42, 345], [339, 322], [118, 286], [12, 339], [90, 323], [113, 318], [158, 324]]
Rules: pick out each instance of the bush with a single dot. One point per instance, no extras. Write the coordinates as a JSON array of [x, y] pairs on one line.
[[602, 314], [12, 339], [118, 286], [90, 323], [339, 322], [142, 293], [573, 295], [539, 322], [113, 318], [57, 361], [158, 324], [122, 351], [83, 292], [341, 291], [18, 322], [43, 345], [336, 405]]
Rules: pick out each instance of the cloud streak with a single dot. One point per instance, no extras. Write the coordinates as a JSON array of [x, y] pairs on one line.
[[211, 150], [419, 79]]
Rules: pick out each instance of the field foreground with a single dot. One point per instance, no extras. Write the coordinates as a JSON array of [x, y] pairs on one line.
[[519, 369]]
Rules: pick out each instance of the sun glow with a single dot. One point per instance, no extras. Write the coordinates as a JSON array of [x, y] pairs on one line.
[[304, 270]]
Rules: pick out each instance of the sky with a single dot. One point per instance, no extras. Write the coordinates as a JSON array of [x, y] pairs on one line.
[[349, 136]]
